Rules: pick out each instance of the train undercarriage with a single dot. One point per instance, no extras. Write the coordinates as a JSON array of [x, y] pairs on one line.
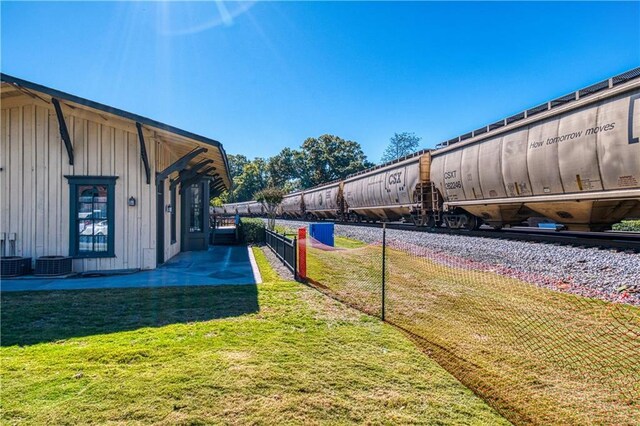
[[430, 211]]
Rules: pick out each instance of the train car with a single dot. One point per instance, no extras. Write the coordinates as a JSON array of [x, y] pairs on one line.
[[575, 160], [391, 191], [292, 205], [324, 202], [256, 209], [229, 209], [241, 209]]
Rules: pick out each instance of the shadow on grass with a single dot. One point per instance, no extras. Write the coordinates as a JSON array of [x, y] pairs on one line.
[[35, 317]]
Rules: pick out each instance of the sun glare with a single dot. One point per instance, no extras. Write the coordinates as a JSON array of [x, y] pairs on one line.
[[191, 18]]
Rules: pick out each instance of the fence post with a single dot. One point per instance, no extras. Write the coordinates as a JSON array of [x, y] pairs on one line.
[[295, 258], [384, 266], [302, 253]]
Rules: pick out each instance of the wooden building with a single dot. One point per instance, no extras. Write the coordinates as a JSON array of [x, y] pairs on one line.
[[113, 190]]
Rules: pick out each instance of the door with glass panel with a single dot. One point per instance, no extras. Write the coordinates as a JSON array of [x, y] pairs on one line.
[[195, 217]]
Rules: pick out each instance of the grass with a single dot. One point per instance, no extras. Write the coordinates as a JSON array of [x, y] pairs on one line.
[[538, 356], [627, 225], [339, 241], [347, 243], [276, 353]]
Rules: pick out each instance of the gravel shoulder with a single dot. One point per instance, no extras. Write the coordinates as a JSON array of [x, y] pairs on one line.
[[591, 272], [277, 264]]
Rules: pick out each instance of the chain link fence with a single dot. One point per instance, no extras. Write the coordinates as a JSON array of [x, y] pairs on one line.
[[538, 356]]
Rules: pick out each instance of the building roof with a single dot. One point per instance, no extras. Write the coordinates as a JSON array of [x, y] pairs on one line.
[[217, 153]]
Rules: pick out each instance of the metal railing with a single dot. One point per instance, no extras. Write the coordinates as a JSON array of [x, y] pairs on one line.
[[284, 248], [225, 221]]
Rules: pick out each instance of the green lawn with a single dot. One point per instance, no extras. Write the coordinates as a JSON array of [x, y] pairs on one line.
[[276, 353], [339, 241], [539, 356]]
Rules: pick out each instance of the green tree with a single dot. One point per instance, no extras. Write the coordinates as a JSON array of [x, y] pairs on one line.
[[401, 144], [318, 160], [252, 179], [327, 158], [219, 200], [282, 168], [236, 164], [271, 198]]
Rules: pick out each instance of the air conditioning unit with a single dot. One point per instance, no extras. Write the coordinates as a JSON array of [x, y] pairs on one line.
[[14, 266], [53, 265]]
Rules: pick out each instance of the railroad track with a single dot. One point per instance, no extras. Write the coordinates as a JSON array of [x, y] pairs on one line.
[[610, 240]]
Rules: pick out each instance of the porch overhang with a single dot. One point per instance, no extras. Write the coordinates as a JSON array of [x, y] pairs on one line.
[[181, 142]]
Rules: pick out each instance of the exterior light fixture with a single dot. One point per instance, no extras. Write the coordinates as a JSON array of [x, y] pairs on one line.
[[169, 208], [132, 201]]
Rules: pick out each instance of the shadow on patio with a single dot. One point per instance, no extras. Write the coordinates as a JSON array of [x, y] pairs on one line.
[[44, 316]]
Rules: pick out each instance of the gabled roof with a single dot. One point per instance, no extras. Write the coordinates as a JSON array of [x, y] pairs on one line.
[[53, 93]]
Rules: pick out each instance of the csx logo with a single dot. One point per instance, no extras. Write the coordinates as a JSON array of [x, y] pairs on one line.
[[395, 178]]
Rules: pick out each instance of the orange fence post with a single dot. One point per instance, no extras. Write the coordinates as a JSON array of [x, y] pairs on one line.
[[302, 253]]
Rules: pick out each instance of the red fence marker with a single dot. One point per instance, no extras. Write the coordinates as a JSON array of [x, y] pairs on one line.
[[302, 253]]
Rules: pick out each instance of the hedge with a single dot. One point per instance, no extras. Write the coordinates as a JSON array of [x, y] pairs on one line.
[[252, 230]]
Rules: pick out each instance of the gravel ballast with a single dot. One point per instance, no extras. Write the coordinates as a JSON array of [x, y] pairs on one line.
[[277, 264], [591, 272]]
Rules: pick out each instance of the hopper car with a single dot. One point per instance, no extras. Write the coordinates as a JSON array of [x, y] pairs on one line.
[[292, 206], [245, 208], [574, 160]]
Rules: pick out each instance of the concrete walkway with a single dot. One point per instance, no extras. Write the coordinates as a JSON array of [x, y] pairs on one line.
[[220, 265]]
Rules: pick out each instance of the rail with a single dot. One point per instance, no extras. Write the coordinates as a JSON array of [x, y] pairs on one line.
[[609, 240], [284, 248]]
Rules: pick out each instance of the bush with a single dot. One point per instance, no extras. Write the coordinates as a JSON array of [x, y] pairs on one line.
[[252, 231], [627, 225]]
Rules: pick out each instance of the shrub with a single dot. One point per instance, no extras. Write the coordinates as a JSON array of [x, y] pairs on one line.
[[251, 230], [627, 225]]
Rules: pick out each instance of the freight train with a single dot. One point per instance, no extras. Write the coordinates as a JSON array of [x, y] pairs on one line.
[[574, 160]]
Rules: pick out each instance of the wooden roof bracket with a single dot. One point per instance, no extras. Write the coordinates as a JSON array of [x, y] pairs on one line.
[[194, 169], [186, 182], [143, 153], [64, 132], [217, 182], [188, 174], [180, 164]]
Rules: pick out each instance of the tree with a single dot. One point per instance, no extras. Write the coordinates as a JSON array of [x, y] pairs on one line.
[[318, 160], [401, 144], [236, 164], [271, 198], [252, 179], [327, 158], [282, 168]]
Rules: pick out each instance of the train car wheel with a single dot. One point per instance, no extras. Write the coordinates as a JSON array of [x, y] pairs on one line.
[[472, 223]]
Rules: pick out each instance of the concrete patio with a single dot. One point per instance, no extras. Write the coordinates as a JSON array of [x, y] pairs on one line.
[[220, 265]]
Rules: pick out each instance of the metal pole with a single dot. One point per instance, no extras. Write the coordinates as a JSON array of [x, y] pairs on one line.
[[295, 258], [384, 265]]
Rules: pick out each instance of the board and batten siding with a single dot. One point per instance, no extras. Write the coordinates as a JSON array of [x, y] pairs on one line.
[[35, 192], [165, 157]]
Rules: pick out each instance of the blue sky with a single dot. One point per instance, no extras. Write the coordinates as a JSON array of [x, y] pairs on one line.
[[259, 77]]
